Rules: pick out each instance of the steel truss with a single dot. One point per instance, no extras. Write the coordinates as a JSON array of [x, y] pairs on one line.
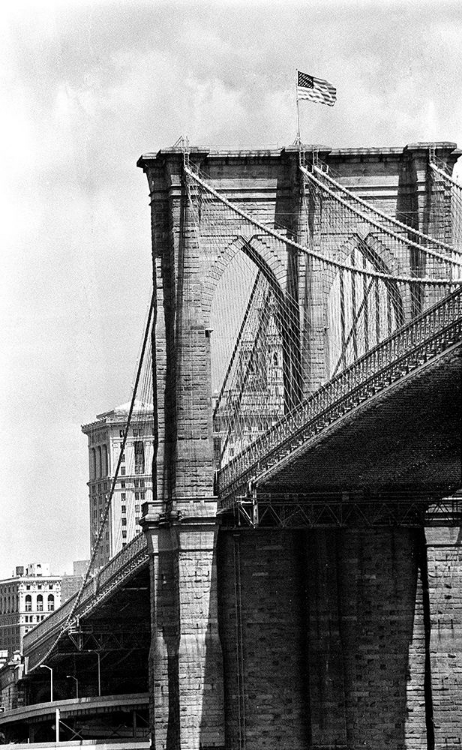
[[341, 510], [108, 638]]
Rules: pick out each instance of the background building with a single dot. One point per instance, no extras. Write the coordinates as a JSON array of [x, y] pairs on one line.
[[29, 596], [26, 599], [134, 483], [71, 583]]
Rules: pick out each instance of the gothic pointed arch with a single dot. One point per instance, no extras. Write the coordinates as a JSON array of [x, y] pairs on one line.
[[260, 253], [361, 310]]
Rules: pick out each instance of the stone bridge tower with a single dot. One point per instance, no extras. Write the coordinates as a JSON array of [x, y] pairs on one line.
[[253, 632]]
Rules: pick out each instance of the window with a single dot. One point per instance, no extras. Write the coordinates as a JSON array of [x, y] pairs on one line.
[[137, 520], [39, 603], [135, 433], [143, 495], [122, 458], [51, 603], [122, 433], [141, 482], [137, 495], [124, 521], [92, 463], [124, 534], [122, 470], [98, 462], [139, 457], [123, 496], [123, 508], [122, 484], [28, 603], [137, 508]]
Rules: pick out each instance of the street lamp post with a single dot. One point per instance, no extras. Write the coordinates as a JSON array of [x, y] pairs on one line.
[[45, 666], [71, 677]]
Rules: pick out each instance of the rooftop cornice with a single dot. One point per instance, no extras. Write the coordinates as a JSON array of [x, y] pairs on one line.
[[31, 579], [116, 420], [219, 153]]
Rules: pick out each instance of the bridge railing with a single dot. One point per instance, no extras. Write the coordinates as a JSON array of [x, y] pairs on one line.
[[400, 345], [99, 586]]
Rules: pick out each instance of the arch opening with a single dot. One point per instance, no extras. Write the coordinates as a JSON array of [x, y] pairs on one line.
[[361, 311], [247, 353]]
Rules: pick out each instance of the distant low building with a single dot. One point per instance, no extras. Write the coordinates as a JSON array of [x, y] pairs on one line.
[[26, 599], [30, 595]]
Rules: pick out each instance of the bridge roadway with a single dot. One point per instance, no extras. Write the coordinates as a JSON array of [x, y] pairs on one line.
[[116, 716], [416, 374], [74, 707], [120, 574]]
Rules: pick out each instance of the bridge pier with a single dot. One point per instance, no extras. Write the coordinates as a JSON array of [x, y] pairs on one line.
[[186, 661], [320, 642], [262, 615], [444, 554]]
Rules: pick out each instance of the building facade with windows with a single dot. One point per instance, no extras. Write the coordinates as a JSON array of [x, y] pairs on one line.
[[26, 598], [133, 485]]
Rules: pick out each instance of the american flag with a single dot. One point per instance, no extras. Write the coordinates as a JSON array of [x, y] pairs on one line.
[[315, 89]]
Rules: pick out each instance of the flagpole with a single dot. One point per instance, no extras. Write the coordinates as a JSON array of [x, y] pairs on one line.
[[298, 139]]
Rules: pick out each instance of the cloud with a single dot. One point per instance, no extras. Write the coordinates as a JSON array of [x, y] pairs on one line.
[[85, 89]]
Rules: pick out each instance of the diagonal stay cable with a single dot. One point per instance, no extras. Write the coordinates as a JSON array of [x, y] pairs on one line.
[[446, 176], [385, 230], [238, 341], [313, 254], [66, 624], [382, 215]]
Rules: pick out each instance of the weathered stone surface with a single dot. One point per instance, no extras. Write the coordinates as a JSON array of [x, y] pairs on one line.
[[284, 639]]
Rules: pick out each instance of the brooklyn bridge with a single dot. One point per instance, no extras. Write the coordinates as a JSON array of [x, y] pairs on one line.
[[296, 583]]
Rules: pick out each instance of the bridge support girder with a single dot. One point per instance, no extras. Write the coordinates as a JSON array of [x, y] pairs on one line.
[[342, 510]]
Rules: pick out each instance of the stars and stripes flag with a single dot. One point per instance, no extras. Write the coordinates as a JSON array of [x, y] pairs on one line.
[[315, 89]]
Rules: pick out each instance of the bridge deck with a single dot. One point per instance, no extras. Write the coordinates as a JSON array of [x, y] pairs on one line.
[[433, 339], [98, 589], [74, 706]]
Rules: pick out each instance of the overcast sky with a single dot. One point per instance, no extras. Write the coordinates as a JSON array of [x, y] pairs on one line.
[[85, 90]]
